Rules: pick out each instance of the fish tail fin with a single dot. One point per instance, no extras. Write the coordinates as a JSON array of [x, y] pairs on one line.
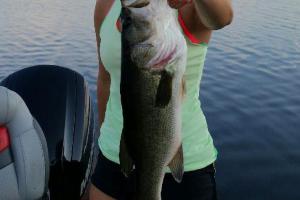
[[176, 165], [126, 161]]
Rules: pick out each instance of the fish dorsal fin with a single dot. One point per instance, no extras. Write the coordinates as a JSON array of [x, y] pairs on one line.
[[176, 165], [164, 90], [126, 161]]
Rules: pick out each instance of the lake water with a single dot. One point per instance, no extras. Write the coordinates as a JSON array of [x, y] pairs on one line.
[[250, 90]]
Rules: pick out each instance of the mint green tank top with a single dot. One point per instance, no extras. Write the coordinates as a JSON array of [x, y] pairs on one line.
[[198, 148]]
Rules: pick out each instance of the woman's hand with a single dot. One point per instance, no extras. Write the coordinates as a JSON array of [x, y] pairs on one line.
[[214, 14]]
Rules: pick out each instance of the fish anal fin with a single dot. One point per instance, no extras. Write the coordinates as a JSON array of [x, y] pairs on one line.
[[164, 90], [176, 165], [126, 161]]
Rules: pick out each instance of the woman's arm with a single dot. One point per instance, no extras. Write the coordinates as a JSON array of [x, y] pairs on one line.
[[214, 14], [103, 81], [103, 91], [102, 7], [202, 16]]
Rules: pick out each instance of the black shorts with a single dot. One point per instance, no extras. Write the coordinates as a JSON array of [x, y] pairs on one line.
[[196, 185]]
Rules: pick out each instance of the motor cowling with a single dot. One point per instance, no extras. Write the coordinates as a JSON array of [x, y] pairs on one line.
[[59, 100]]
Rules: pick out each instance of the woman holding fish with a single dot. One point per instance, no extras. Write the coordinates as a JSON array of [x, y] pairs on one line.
[[144, 122]]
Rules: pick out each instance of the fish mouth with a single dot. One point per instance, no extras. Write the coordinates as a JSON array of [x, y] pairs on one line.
[[135, 3]]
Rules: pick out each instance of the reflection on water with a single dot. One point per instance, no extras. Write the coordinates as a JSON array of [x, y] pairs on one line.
[[250, 89]]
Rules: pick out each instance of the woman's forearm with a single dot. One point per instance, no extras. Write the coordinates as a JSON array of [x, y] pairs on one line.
[[214, 14], [102, 7], [103, 92]]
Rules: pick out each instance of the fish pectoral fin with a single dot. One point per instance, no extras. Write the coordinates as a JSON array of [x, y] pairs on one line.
[[126, 161], [164, 90], [176, 165]]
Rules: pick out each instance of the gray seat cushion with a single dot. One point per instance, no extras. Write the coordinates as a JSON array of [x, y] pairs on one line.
[[29, 149]]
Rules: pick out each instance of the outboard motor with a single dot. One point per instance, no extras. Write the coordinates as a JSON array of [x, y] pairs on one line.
[[59, 100]]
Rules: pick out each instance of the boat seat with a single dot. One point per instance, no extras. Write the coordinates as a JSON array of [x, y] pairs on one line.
[[24, 161]]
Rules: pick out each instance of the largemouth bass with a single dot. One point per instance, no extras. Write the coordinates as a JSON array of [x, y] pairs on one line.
[[153, 63]]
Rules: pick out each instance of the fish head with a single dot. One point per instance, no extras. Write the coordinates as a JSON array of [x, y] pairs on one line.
[[136, 21], [151, 31]]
